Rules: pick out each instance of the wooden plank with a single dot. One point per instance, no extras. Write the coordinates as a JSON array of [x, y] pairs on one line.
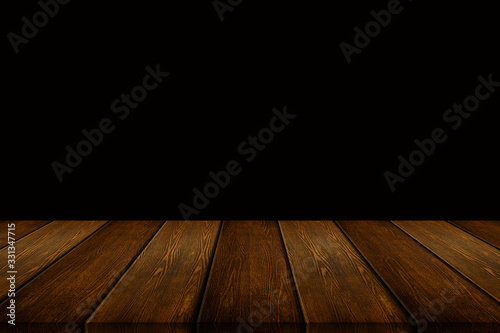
[[249, 285], [66, 293], [280, 327], [431, 290], [23, 228], [177, 262], [41, 248], [144, 328], [383, 328], [334, 282], [475, 259], [489, 231]]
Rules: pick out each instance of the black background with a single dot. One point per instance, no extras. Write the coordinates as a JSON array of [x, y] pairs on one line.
[[353, 119]]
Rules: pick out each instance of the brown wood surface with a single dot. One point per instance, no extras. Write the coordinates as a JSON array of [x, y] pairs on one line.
[[428, 288], [23, 228], [249, 272], [166, 283], [488, 231], [383, 328], [69, 290], [144, 328], [187, 277], [335, 284], [41, 248], [475, 259], [248, 328]]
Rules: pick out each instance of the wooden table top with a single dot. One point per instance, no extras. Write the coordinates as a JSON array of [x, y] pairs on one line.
[[252, 276]]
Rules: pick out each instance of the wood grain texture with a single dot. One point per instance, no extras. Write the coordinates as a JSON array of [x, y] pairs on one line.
[[488, 231], [39, 249], [175, 262], [249, 273], [251, 328], [23, 228], [475, 259], [383, 328], [431, 290], [70, 290], [335, 283], [143, 328]]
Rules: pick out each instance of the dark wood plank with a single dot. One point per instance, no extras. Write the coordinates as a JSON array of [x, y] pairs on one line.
[[144, 328], [41, 248], [248, 328], [334, 282], [175, 262], [382, 328], [431, 290], [249, 272], [23, 228], [475, 259], [69, 291], [196, 328], [488, 231]]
